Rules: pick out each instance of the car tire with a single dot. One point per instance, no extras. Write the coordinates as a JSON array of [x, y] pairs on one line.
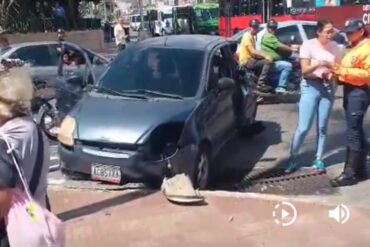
[[202, 171], [42, 122]]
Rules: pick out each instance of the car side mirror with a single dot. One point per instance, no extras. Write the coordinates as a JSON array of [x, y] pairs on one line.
[[225, 83], [97, 61]]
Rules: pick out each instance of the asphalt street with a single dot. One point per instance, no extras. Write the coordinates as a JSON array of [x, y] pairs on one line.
[[271, 147]]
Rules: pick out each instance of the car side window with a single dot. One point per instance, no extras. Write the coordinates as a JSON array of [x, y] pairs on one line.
[[38, 55], [310, 31], [289, 35], [220, 66]]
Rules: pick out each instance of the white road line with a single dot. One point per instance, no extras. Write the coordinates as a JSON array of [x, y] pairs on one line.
[[56, 181], [54, 158]]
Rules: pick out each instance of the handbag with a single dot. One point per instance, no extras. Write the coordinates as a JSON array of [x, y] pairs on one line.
[[28, 223]]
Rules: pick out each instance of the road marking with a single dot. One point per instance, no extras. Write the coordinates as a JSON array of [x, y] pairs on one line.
[[56, 181], [54, 158]]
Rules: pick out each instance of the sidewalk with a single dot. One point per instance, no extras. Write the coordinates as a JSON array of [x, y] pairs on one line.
[[144, 218]]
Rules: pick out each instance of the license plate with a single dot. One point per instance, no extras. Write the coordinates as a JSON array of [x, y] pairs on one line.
[[106, 173]]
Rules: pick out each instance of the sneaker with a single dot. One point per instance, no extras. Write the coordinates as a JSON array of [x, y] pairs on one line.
[[290, 167], [319, 165], [280, 90]]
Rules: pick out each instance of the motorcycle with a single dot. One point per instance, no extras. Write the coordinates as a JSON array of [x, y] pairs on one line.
[[293, 90]]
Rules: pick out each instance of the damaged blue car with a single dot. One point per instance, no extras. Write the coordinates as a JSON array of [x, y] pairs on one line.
[[164, 106]]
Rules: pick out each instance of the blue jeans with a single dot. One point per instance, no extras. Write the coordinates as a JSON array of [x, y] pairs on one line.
[[316, 98], [284, 68]]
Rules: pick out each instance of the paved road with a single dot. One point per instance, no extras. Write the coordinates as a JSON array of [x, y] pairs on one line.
[[271, 147]]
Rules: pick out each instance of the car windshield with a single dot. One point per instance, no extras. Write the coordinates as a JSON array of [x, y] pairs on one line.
[[163, 70]]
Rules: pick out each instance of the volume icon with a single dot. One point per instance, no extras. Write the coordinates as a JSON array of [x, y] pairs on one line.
[[341, 214]]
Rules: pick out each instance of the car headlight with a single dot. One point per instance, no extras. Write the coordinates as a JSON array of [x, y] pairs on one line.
[[65, 133]]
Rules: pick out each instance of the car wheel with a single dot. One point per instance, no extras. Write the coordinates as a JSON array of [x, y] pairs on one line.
[[48, 122], [202, 172]]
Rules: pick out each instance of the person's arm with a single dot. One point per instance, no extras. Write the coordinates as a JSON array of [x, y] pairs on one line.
[[248, 42], [353, 76], [307, 66], [7, 179]]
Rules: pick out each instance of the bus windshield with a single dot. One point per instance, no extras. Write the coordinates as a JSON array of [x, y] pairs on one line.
[[207, 14]]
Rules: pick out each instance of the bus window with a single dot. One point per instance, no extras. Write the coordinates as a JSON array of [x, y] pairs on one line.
[[278, 8], [354, 2], [250, 7]]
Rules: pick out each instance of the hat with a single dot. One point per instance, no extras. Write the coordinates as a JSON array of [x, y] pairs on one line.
[[254, 23], [272, 24], [353, 25]]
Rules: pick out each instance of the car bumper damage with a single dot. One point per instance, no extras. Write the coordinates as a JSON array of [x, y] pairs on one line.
[[161, 156]]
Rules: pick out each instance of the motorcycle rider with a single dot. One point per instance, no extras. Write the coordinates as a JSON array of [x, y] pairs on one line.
[[271, 46], [254, 60]]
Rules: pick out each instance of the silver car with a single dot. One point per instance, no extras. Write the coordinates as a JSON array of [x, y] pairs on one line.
[[42, 58]]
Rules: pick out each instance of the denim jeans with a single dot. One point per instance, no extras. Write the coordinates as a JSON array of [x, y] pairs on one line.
[[316, 99], [284, 68]]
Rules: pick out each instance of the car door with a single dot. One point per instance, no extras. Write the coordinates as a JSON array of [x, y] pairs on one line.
[[42, 64], [99, 64], [220, 121]]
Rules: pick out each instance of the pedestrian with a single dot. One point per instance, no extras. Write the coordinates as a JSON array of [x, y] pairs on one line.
[[120, 35], [317, 91], [23, 135], [59, 15], [60, 50], [354, 73], [4, 43]]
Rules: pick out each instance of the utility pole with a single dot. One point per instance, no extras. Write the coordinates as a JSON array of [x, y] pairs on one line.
[[141, 14], [105, 10]]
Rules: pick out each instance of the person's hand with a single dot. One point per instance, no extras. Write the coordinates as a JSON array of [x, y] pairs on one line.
[[336, 69], [294, 48], [269, 59]]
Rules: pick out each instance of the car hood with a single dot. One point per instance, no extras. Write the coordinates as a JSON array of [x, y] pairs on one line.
[[118, 120]]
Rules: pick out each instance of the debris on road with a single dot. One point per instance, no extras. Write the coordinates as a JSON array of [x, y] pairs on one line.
[[179, 189]]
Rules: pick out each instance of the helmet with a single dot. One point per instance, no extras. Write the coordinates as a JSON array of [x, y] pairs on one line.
[[60, 31], [272, 24], [254, 23]]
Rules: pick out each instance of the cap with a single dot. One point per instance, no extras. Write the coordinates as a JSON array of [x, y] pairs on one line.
[[353, 25], [254, 23], [272, 24]]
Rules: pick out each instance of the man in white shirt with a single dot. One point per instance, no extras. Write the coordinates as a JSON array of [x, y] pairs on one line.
[[120, 35]]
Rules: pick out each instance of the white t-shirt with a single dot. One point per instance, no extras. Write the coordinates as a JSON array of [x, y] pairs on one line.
[[119, 34], [314, 50]]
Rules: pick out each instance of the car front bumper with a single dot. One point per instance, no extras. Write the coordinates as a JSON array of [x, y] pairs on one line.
[[79, 160]]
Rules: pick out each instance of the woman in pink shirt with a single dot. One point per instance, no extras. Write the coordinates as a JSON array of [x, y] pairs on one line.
[[317, 91]]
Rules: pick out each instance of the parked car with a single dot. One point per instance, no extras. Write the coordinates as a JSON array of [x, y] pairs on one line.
[[292, 33], [42, 57], [165, 105]]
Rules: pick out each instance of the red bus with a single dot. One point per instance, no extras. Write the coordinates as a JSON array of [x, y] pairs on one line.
[[348, 9], [236, 14]]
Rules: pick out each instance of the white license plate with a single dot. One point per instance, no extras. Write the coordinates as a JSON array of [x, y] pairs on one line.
[[106, 173]]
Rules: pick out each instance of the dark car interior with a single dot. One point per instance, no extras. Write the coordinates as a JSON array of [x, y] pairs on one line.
[[168, 71]]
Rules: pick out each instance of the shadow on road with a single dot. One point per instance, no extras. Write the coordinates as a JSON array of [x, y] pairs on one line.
[[98, 206], [240, 156]]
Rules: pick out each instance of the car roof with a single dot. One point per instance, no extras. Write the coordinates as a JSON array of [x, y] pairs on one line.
[[238, 35], [24, 44], [184, 41]]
